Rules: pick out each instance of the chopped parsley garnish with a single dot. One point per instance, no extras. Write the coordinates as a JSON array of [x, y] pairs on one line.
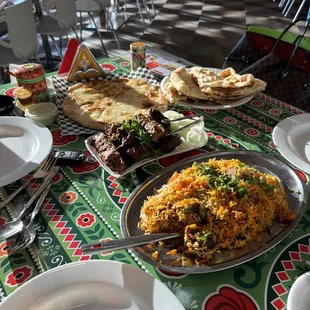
[[140, 132], [205, 236]]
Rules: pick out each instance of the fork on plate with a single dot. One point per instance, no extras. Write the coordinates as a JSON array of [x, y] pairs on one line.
[[43, 171]]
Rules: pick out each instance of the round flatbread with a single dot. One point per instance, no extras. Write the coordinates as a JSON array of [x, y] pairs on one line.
[[97, 103]]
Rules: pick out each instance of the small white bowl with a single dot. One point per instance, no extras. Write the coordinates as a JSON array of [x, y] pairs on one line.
[[45, 113]]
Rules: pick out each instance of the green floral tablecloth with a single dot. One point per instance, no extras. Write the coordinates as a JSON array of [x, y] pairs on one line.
[[85, 202]]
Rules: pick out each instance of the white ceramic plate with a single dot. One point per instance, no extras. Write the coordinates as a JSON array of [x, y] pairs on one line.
[[299, 295], [96, 285], [21, 155], [292, 139], [209, 105]]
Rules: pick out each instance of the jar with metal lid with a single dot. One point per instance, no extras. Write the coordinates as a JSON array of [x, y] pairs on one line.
[[32, 77]]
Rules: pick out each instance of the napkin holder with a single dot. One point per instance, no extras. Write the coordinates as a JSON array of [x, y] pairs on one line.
[[84, 66]]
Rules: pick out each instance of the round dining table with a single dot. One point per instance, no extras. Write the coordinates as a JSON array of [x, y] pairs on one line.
[[85, 203]]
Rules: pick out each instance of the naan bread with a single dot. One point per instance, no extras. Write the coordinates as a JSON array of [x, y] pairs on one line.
[[171, 94], [183, 82], [97, 103]]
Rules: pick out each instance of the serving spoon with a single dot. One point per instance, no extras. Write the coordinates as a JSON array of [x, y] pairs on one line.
[[126, 243]]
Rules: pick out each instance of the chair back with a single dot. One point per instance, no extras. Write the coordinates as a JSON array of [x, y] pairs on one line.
[[22, 30], [66, 13]]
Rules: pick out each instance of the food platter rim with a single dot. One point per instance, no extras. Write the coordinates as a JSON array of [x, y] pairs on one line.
[[229, 264]]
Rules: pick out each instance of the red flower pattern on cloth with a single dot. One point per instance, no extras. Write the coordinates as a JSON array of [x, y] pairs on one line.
[[252, 132], [108, 67], [10, 92], [57, 178], [88, 165], [228, 298], [106, 253], [18, 276], [275, 111], [85, 220], [230, 120], [68, 198], [2, 220], [5, 247], [58, 139], [210, 111], [167, 161], [124, 64], [257, 103]]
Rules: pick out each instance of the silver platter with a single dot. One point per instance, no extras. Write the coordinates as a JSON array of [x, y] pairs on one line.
[[296, 197]]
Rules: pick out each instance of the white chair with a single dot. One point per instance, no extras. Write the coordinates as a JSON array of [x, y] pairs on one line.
[[60, 18], [22, 34], [96, 6]]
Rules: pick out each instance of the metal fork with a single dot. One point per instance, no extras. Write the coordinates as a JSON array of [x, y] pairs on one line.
[[27, 236], [49, 163]]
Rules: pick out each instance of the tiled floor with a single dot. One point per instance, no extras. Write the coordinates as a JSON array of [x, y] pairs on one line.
[[202, 31]]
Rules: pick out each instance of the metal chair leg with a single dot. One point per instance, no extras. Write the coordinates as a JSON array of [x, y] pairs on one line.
[[99, 34], [56, 47], [125, 8], [113, 31], [287, 5], [289, 8], [147, 10], [77, 37], [281, 3], [81, 25], [140, 12], [153, 7], [299, 9], [60, 45], [37, 59]]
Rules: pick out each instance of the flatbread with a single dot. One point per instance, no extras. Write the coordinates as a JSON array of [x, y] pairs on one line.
[[227, 78], [183, 82], [97, 103], [171, 94]]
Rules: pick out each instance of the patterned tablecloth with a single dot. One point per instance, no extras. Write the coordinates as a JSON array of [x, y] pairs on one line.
[[85, 202]]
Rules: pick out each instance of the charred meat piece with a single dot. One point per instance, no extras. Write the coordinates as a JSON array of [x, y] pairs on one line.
[[111, 129], [169, 143], [100, 140], [127, 141], [155, 130], [135, 152], [157, 116], [112, 158], [141, 119]]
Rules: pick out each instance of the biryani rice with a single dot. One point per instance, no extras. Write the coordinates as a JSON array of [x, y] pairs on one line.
[[219, 204]]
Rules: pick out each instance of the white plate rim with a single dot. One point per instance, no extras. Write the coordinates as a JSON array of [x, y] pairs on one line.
[[42, 133], [233, 104], [296, 291], [279, 137], [95, 264], [143, 162]]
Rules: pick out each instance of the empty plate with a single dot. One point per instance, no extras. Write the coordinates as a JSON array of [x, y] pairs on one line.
[[95, 285], [292, 139], [20, 155]]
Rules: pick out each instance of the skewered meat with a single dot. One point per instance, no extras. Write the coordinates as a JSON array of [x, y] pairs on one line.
[[169, 143]]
